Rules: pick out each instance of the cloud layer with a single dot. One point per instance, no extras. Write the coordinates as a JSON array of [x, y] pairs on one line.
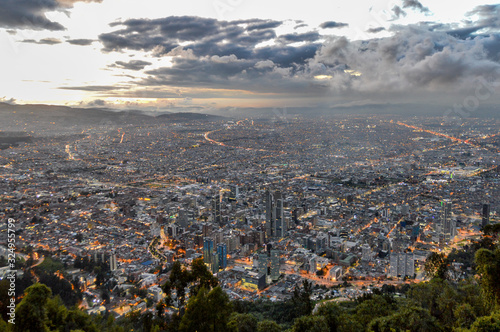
[[30, 14]]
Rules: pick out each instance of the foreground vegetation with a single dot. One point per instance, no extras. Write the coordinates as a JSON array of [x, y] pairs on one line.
[[445, 303]]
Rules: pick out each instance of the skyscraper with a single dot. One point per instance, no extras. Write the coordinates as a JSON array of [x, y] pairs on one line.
[[275, 264], [263, 262], [279, 227], [222, 254], [112, 262], [448, 227], [235, 191], [276, 227], [486, 214], [216, 209], [208, 247], [269, 214]]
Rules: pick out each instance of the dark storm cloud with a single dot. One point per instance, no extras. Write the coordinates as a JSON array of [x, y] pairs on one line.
[[267, 24], [131, 65], [206, 36], [228, 58], [415, 4], [398, 12], [299, 37], [489, 16], [80, 42], [44, 41], [332, 24], [209, 37], [414, 58], [30, 14], [463, 33]]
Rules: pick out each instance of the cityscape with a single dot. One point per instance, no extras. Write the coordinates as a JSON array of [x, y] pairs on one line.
[[262, 180]]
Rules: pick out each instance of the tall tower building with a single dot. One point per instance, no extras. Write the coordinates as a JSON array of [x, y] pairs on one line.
[[448, 227], [269, 214], [208, 248], [222, 254], [279, 224], [275, 264], [216, 209], [485, 216], [112, 262], [235, 191], [263, 263], [276, 226]]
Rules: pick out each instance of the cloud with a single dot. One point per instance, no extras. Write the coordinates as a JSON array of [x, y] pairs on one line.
[[375, 30], [301, 37], [97, 103], [332, 24], [398, 12], [489, 16], [205, 36], [131, 65], [44, 41], [414, 59], [93, 88], [30, 14], [201, 37], [416, 63], [10, 101], [415, 4], [80, 42]]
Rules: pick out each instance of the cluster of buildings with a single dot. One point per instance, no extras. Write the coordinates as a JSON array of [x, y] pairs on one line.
[[356, 199]]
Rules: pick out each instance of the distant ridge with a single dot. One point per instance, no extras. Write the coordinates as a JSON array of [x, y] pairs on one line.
[[27, 117]]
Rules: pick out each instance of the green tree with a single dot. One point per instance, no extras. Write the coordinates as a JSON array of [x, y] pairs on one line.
[[436, 266], [207, 311], [332, 313], [31, 313], [487, 324], [242, 322], [465, 315], [375, 307], [268, 326], [411, 319], [488, 267], [301, 299], [310, 324], [201, 276]]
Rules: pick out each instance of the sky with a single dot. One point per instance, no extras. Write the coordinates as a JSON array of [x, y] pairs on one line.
[[207, 55]]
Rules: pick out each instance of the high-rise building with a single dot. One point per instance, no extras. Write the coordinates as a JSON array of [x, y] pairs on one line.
[[208, 247], [485, 214], [263, 263], [234, 192], [269, 214], [216, 209], [214, 266], [222, 254], [402, 264], [276, 225], [366, 253], [448, 226], [112, 262], [275, 264], [279, 223]]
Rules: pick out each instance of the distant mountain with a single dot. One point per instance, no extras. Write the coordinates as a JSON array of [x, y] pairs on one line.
[[31, 117]]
